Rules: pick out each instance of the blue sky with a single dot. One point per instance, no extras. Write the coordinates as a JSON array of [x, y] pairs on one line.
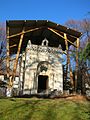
[[58, 11]]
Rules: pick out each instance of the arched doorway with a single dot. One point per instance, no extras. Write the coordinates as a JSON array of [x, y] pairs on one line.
[[42, 83]]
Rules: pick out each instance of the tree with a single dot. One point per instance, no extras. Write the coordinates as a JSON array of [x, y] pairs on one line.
[[2, 47], [84, 51]]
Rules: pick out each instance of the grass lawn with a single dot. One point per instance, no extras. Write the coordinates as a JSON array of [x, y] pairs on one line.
[[43, 109]]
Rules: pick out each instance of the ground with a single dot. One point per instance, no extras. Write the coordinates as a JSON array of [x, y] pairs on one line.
[[71, 108]]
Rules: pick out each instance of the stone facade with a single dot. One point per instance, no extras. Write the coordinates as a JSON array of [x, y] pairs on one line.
[[41, 69]]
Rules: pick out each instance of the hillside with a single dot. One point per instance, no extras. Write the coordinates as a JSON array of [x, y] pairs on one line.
[[44, 109]]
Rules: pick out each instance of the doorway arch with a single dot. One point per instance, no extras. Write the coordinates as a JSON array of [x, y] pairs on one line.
[[42, 83]]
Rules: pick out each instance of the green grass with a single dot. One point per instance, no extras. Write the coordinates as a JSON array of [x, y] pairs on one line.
[[43, 109]]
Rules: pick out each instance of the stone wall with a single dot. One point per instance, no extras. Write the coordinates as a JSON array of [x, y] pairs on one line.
[[41, 60]]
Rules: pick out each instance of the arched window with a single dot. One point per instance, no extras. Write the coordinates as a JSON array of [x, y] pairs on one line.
[[45, 42]]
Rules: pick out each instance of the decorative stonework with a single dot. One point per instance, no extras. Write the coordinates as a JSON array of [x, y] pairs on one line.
[[41, 60]]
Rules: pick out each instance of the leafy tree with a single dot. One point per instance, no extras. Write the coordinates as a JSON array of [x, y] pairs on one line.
[[84, 51], [2, 47]]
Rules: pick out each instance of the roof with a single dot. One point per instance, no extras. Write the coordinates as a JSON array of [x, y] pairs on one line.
[[40, 29]]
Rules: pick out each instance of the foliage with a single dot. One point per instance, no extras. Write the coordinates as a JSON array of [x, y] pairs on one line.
[[84, 51], [43, 109], [2, 46]]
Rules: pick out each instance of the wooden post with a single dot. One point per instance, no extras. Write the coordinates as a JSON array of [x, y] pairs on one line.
[[17, 55], [27, 31], [61, 36], [76, 72], [8, 55], [66, 43], [68, 62], [8, 92]]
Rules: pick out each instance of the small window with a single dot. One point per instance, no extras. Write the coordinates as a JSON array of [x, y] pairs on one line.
[[45, 42]]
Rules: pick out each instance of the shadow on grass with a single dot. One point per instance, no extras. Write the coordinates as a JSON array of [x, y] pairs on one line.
[[32, 104], [50, 113], [38, 109], [81, 112], [20, 110]]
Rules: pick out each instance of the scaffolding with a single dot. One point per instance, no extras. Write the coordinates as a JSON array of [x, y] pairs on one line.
[[20, 31]]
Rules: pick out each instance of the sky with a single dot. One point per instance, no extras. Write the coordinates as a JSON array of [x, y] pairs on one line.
[[58, 11]]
